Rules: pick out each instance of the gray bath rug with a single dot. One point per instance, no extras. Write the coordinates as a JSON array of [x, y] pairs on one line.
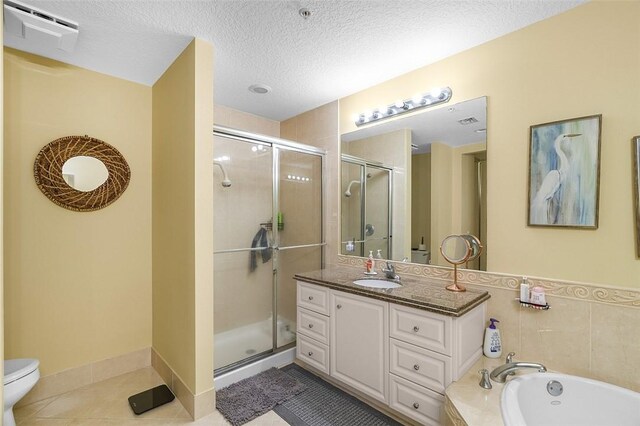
[[249, 398], [323, 404]]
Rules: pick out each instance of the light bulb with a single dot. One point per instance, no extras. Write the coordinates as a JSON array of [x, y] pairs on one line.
[[436, 92], [417, 99], [399, 104], [383, 109], [254, 148], [356, 117]]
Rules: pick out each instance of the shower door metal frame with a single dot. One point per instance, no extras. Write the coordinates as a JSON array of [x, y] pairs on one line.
[[363, 198], [277, 145]]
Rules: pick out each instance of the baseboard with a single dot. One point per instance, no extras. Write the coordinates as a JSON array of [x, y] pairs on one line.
[[197, 406], [77, 377]]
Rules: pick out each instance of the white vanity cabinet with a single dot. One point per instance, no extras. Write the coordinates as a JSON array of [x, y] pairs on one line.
[[313, 326], [401, 357], [427, 352], [359, 343]]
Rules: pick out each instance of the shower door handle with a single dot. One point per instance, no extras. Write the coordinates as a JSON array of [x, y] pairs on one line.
[[300, 246]]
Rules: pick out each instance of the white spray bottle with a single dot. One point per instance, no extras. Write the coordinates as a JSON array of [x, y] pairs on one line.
[[492, 343]]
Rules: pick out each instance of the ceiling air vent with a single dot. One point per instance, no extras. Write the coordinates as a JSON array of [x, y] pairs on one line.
[[38, 27], [469, 120]]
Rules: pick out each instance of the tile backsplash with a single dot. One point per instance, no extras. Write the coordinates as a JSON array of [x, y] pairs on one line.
[[590, 330]]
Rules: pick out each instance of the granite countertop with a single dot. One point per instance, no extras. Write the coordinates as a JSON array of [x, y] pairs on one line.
[[415, 292]]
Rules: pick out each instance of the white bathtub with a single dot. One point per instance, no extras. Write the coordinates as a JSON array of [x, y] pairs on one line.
[[526, 401]]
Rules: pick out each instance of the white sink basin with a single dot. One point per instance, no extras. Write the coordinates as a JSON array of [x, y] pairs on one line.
[[371, 283], [526, 401]]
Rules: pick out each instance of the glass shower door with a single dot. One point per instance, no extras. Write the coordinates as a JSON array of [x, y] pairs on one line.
[[351, 206], [298, 231], [377, 211], [243, 258]]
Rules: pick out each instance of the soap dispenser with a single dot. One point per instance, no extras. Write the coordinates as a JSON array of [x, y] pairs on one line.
[[371, 263], [492, 343], [379, 259]]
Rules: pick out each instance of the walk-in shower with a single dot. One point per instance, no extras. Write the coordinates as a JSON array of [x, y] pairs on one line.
[[267, 227]]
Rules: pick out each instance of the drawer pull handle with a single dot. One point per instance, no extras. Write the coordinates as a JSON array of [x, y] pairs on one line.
[[310, 297], [339, 306], [416, 405], [416, 328], [416, 367], [310, 353], [310, 325]]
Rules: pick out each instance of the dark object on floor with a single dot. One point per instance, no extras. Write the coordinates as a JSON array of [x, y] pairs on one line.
[[323, 404], [150, 399], [254, 396]]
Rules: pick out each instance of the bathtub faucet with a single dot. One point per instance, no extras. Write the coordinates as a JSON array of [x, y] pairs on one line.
[[500, 374]]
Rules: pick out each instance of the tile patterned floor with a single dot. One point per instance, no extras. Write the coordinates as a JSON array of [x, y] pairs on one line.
[[105, 403]]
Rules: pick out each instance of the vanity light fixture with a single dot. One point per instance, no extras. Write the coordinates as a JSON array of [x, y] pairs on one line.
[[434, 97]]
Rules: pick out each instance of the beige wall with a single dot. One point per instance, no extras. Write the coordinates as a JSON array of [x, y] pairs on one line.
[[77, 285], [581, 62], [441, 198], [183, 217], [421, 199], [1, 216]]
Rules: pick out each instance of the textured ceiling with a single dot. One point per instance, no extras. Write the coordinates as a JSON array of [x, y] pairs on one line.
[[344, 47]]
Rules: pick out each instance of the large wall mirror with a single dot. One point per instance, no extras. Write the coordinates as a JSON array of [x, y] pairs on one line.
[[407, 184]]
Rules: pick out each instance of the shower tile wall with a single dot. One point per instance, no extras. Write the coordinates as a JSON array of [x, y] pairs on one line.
[[229, 117], [319, 127], [236, 282], [236, 222]]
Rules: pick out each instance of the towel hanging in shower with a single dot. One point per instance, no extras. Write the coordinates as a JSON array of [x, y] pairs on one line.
[[259, 240]]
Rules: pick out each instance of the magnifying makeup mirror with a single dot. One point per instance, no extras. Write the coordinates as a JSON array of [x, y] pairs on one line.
[[459, 249]]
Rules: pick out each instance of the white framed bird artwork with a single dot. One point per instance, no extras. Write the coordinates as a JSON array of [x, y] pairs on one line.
[[564, 173]]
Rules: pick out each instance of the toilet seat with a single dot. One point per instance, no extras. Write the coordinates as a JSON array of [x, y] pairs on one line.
[[16, 369]]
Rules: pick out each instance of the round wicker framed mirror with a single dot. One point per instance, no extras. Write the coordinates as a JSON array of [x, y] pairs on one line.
[[59, 187]]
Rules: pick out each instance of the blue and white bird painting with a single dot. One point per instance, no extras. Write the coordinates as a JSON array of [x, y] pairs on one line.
[[564, 167]]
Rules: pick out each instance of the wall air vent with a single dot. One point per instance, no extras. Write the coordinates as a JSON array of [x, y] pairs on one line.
[[39, 27], [469, 120]]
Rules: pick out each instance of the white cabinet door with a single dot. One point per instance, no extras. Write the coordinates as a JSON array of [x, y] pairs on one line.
[[359, 346]]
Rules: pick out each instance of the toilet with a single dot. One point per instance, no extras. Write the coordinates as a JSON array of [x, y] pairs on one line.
[[20, 376]]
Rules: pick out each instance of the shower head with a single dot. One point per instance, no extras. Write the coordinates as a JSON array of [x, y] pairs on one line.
[[347, 193], [226, 182]]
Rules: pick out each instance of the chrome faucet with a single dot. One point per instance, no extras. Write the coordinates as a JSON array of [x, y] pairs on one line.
[[390, 272], [500, 374]]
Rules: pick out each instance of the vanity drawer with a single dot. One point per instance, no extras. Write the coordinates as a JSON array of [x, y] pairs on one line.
[[313, 353], [421, 328], [415, 402], [421, 366], [313, 325], [313, 297]]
